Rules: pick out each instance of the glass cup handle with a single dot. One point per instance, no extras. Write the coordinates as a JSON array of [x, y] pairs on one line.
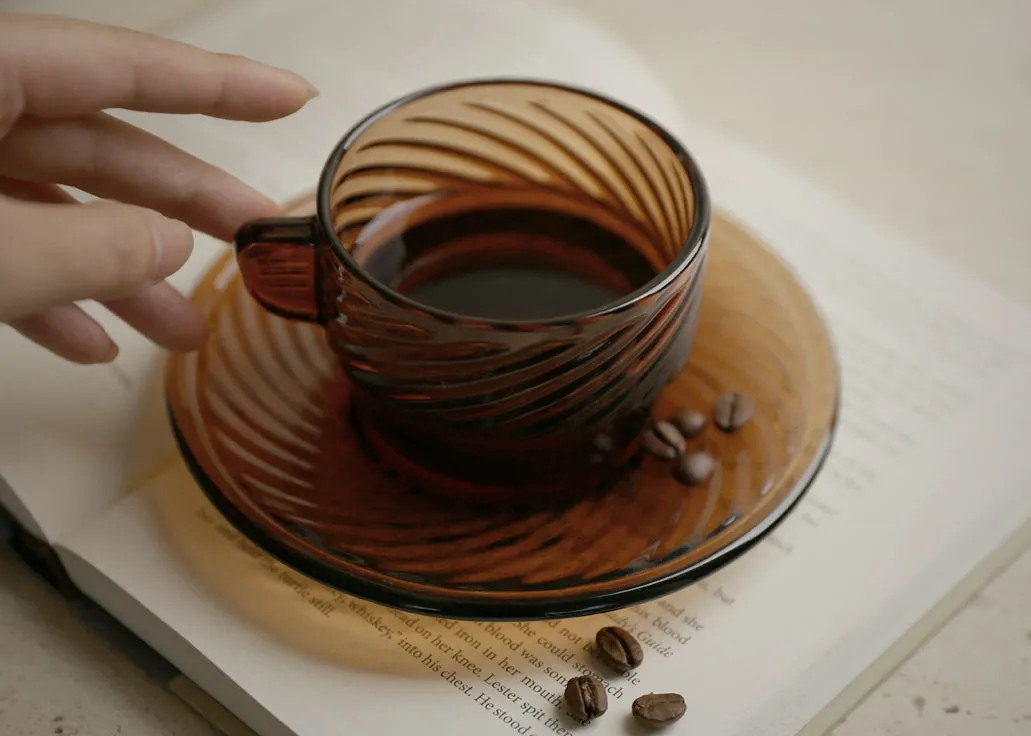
[[278, 260]]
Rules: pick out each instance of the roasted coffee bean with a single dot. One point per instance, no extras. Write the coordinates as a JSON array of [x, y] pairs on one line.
[[732, 411], [586, 698], [664, 440], [659, 710], [690, 423], [694, 468], [618, 649]]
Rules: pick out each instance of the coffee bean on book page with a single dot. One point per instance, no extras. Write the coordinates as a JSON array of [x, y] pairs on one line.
[[694, 468], [659, 710], [618, 649], [732, 411], [664, 440], [586, 698], [690, 423]]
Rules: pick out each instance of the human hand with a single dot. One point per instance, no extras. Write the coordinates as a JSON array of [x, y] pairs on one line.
[[57, 76]]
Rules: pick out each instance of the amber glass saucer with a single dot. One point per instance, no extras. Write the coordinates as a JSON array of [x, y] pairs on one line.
[[260, 415]]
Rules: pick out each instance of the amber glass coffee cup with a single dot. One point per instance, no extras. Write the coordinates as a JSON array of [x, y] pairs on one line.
[[509, 273]]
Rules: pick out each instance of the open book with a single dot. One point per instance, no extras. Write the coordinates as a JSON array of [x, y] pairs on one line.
[[925, 492]]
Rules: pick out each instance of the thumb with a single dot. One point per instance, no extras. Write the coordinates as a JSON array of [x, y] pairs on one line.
[[54, 254]]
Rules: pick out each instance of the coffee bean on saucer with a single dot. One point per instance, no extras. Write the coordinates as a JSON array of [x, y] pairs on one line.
[[694, 468], [732, 411], [586, 698], [618, 649], [659, 710], [690, 423], [664, 440]]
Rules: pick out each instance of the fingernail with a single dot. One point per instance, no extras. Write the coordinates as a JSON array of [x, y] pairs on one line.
[[110, 355], [311, 88], [173, 244], [313, 91]]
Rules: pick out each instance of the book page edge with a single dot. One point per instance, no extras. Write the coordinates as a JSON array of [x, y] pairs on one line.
[[933, 621], [14, 505], [207, 707], [167, 642]]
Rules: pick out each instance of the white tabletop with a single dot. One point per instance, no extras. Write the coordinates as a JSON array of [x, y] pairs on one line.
[[917, 111]]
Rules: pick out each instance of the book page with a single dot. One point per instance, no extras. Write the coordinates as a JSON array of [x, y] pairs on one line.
[[70, 437], [927, 476], [86, 418]]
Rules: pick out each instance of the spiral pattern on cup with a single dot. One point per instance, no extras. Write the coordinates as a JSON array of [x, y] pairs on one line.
[[517, 135], [462, 382]]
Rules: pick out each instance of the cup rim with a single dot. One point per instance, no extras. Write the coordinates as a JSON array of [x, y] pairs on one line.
[[689, 251]]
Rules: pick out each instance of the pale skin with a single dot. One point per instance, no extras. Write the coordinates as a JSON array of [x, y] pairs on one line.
[[57, 79]]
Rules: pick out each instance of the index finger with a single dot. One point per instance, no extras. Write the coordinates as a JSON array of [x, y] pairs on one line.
[[59, 67]]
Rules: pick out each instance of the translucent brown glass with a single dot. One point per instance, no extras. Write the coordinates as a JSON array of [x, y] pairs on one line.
[[257, 414], [483, 407]]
